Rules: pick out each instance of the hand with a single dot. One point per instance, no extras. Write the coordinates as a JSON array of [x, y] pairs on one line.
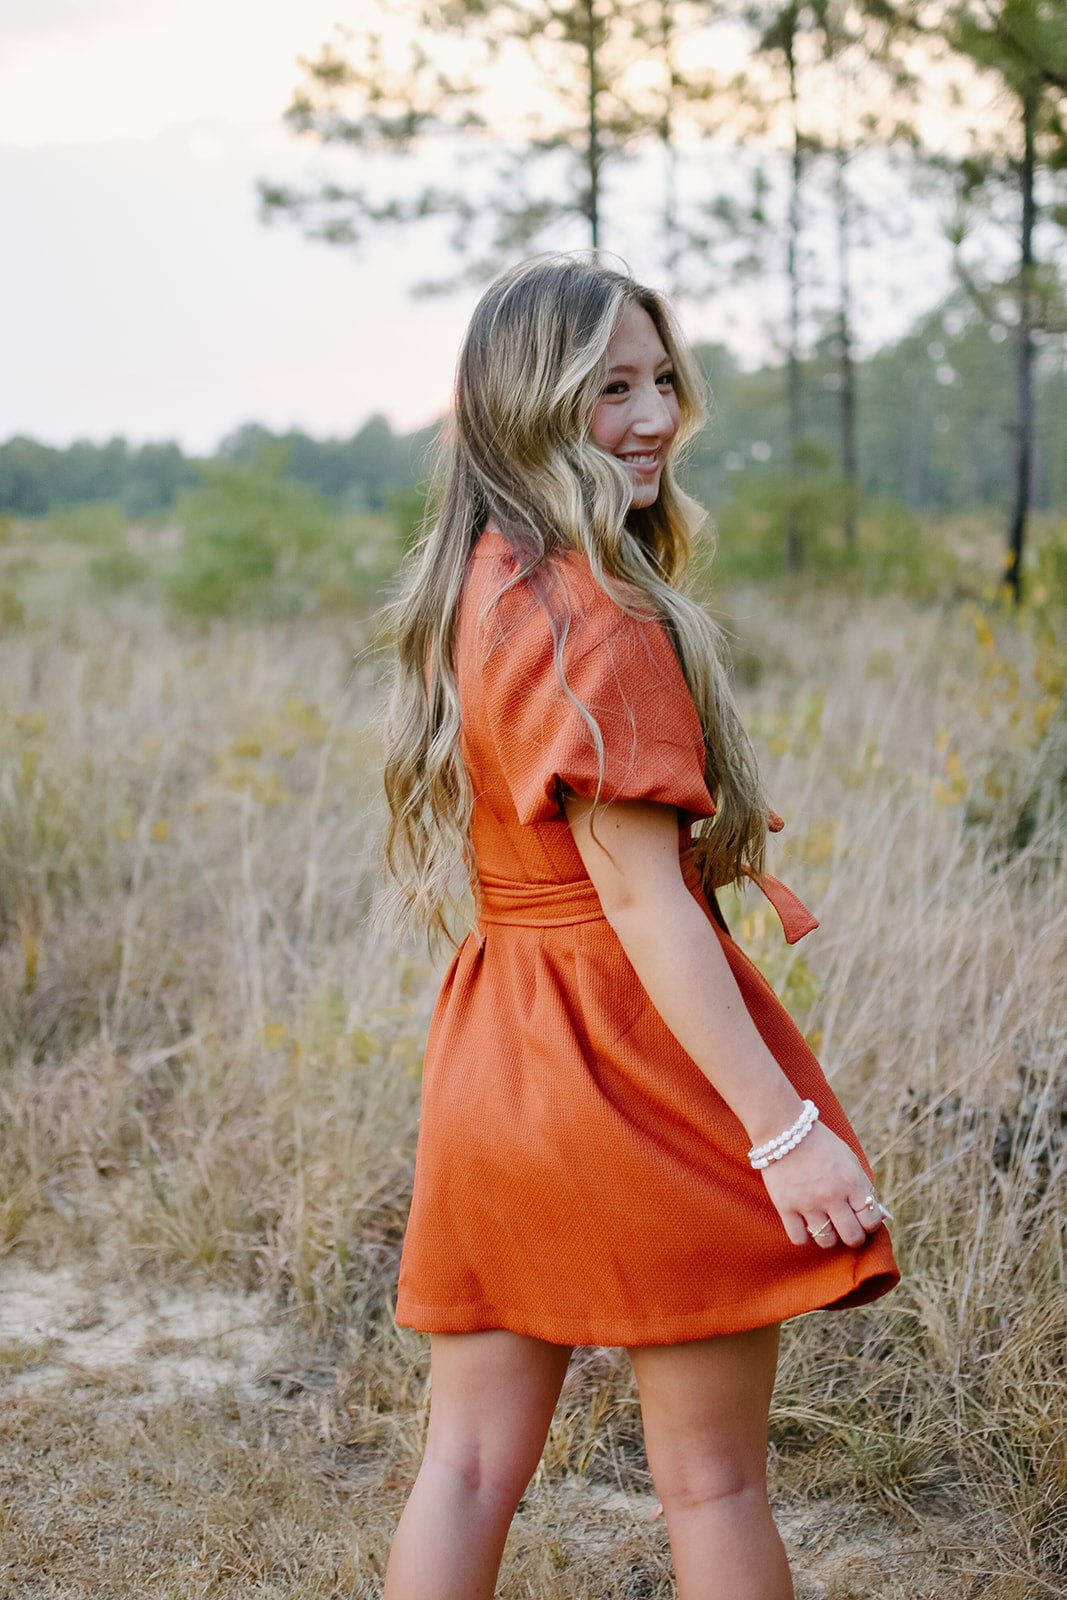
[[821, 1192]]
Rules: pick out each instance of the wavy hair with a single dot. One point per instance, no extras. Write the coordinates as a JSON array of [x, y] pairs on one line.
[[518, 454]]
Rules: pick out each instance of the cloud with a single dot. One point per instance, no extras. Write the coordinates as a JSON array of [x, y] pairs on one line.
[[21, 22]]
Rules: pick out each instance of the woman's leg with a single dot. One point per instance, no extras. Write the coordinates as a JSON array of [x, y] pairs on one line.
[[704, 1409], [491, 1402]]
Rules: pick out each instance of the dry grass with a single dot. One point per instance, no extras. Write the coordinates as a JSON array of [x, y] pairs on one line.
[[209, 1074]]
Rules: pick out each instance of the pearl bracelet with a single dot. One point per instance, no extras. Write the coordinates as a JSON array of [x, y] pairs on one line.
[[761, 1155]]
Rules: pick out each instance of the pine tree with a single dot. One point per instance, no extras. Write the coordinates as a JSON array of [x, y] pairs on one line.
[[1020, 151], [378, 99]]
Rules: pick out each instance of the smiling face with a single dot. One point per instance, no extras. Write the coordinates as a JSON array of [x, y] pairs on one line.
[[636, 416]]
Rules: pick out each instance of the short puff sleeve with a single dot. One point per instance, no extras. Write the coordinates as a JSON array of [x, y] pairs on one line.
[[623, 670]]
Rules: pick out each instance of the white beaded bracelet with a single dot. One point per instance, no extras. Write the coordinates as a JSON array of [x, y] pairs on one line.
[[761, 1155], [808, 1114]]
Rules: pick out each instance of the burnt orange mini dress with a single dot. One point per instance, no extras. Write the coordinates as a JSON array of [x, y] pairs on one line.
[[578, 1178]]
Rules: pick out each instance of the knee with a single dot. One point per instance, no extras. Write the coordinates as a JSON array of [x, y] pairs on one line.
[[474, 1470], [695, 1485]]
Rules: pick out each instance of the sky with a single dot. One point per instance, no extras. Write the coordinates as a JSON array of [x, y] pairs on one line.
[[140, 294]]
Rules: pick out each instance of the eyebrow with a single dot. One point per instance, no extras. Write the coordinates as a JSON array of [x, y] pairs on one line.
[[664, 362]]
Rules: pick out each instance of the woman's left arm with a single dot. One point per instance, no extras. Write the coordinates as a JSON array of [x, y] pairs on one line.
[[630, 850]]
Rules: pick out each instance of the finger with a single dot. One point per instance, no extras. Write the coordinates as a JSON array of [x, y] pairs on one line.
[[870, 1213], [849, 1228], [822, 1231], [793, 1223]]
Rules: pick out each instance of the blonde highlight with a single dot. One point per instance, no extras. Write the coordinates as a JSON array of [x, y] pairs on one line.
[[520, 458]]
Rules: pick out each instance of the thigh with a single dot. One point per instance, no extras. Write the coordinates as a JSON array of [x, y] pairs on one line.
[[492, 1398], [704, 1409]]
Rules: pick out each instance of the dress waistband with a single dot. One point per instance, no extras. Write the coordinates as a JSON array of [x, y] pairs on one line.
[[537, 905], [560, 905]]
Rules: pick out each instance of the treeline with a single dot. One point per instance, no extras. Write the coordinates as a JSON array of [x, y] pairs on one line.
[[143, 480], [932, 420], [361, 473], [931, 412], [37, 478]]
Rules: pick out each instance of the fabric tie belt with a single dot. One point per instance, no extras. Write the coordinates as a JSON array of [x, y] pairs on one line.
[[794, 915], [560, 905]]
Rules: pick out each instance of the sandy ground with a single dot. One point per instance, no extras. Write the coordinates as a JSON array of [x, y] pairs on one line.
[[211, 1366], [181, 1340]]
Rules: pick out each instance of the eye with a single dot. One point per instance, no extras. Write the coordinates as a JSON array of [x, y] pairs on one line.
[[666, 379], [616, 388]]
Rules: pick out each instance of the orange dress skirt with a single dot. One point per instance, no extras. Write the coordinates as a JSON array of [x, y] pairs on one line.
[[578, 1178]]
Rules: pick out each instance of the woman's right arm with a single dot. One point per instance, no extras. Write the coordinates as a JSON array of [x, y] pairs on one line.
[[630, 852]]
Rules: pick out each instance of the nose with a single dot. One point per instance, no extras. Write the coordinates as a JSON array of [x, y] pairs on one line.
[[655, 415]]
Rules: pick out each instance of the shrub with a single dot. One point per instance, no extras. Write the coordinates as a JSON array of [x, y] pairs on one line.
[[12, 611], [118, 570], [407, 508], [94, 525], [894, 550], [260, 544]]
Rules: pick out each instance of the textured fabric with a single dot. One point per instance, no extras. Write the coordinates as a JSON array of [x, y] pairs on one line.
[[578, 1178]]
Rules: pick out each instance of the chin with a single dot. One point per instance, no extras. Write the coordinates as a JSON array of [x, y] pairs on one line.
[[645, 495]]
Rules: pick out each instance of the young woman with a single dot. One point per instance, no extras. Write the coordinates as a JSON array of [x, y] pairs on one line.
[[624, 1140]]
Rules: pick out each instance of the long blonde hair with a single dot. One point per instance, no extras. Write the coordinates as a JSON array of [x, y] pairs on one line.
[[518, 455]]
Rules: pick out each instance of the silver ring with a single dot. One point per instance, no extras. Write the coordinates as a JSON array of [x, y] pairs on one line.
[[817, 1233]]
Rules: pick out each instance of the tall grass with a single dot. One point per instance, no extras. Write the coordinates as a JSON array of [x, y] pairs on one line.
[[209, 1064]]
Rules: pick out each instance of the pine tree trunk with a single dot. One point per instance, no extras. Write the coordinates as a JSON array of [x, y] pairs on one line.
[[593, 123], [794, 550], [672, 251], [1024, 360], [846, 358]]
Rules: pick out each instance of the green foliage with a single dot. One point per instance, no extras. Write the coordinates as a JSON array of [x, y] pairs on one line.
[[933, 412], [1048, 586], [259, 544], [895, 551], [36, 478], [12, 610], [812, 496], [407, 508], [119, 570], [1024, 44], [360, 472], [98, 527]]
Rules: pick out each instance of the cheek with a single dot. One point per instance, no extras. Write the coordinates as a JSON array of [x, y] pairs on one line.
[[606, 428], [672, 407]]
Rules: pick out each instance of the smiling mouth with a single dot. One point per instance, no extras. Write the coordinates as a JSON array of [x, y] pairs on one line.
[[642, 462]]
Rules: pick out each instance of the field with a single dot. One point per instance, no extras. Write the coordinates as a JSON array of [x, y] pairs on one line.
[[209, 1077]]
